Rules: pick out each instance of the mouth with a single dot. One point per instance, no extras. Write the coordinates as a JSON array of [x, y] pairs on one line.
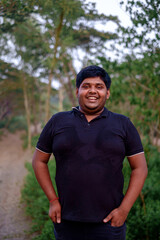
[[92, 99]]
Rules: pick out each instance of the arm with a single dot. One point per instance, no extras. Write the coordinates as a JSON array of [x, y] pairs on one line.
[[39, 163], [138, 175]]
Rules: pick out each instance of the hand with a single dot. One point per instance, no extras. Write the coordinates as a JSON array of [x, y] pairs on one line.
[[117, 217], [55, 211]]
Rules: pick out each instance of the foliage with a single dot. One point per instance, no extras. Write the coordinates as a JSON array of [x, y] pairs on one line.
[[10, 86], [41, 36], [17, 123], [44, 37], [143, 220], [146, 24], [135, 91], [135, 88], [37, 203], [47, 232], [12, 112]]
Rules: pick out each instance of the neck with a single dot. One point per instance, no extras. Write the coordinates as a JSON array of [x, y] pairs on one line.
[[91, 115]]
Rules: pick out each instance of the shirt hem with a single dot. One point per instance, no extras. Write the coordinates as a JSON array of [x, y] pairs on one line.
[[135, 154], [81, 220], [43, 151]]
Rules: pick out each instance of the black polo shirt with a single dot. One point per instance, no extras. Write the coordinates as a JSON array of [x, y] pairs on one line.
[[89, 160]]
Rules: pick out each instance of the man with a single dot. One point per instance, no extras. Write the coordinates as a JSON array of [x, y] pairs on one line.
[[89, 144]]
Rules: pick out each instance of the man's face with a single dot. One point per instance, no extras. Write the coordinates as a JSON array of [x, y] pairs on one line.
[[92, 95]]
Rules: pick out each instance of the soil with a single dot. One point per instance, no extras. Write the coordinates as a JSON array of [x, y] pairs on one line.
[[14, 224]]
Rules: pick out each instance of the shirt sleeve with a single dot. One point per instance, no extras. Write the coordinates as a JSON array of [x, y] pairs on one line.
[[45, 140], [133, 141]]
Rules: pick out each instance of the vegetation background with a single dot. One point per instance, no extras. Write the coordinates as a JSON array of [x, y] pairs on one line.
[[40, 41]]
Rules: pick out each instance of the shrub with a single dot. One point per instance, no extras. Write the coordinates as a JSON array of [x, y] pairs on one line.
[[37, 203], [17, 123], [143, 221]]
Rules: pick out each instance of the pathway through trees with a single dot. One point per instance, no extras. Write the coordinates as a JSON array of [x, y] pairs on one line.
[[13, 222]]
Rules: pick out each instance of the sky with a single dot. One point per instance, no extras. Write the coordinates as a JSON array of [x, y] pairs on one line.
[[112, 7], [107, 7]]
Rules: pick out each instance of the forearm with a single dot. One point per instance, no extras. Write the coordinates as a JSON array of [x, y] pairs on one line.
[[40, 166], [43, 177], [119, 215], [136, 183]]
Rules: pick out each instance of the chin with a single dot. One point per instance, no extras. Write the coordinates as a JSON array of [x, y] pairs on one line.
[[92, 107], [93, 110]]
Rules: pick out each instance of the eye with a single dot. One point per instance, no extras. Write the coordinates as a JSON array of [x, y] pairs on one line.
[[99, 87], [85, 86]]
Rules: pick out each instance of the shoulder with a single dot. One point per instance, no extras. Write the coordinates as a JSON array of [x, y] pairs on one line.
[[56, 121], [60, 119], [61, 115], [119, 121], [118, 117]]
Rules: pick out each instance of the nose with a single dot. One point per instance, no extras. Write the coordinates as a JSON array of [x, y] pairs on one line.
[[92, 90]]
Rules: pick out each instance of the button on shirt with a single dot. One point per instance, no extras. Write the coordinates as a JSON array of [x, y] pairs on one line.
[[89, 160]]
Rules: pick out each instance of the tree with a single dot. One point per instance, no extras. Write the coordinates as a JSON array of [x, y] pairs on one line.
[[65, 28], [42, 36], [135, 92], [15, 96], [145, 17]]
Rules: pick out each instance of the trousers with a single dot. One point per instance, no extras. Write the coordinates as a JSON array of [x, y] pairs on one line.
[[69, 230]]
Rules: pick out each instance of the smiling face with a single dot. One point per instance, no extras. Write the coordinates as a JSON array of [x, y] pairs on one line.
[[92, 95]]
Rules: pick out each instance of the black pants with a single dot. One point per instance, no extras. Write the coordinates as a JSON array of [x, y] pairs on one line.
[[68, 230]]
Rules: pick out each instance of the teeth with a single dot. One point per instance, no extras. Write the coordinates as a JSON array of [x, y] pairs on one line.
[[92, 98]]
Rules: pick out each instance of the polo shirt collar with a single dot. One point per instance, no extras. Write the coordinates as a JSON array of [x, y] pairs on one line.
[[103, 114]]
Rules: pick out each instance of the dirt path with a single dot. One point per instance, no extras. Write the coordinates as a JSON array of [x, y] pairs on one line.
[[13, 222]]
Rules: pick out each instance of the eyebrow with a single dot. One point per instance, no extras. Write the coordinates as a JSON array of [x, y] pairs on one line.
[[88, 83], [100, 84]]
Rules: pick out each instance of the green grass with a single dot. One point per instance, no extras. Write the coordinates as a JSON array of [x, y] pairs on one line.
[[37, 204]]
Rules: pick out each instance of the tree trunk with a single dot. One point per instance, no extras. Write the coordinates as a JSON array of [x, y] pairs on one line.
[[70, 92], [47, 113], [69, 86], [27, 110], [61, 97], [57, 37]]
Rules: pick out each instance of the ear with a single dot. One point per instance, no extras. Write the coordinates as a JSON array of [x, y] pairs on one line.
[[108, 94], [76, 92]]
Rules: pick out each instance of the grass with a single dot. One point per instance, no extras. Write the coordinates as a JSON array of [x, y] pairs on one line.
[[37, 204]]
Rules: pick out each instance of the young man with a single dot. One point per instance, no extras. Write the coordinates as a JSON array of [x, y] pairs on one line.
[[89, 144]]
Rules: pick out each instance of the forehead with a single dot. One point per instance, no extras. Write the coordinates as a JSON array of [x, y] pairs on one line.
[[93, 80]]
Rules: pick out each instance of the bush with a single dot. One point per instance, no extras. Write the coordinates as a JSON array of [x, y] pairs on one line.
[[37, 203], [34, 140], [16, 123], [143, 220]]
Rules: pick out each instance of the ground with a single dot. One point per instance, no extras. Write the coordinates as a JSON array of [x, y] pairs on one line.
[[14, 224]]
